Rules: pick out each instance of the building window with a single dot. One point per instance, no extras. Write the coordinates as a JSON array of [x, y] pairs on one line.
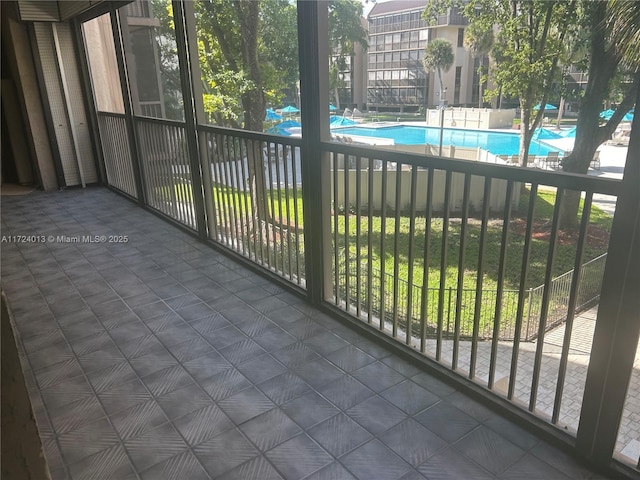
[[461, 37], [456, 89]]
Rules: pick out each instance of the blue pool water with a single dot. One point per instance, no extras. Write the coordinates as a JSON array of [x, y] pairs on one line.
[[498, 143]]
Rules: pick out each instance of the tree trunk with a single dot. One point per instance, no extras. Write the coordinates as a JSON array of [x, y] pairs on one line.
[[589, 134], [526, 134], [254, 105], [560, 112]]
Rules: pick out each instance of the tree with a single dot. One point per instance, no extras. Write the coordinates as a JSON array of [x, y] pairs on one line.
[[613, 45], [478, 39], [526, 51], [438, 56], [248, 56], [345, 32]]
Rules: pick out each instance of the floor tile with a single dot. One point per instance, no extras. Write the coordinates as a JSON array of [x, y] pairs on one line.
[[256, 469], [270, 429], [298, 457], [339, 434], [530, 467], [447, 421], [245, 405], [376, 414], [375, 460], [318, 373], [283, 388], [124, 397], [182, 466], [346, 392], [207, 365], [295, 354], [409, 397], [350, 358], [225, 452], [377, 376], [333, 471], [154, 446], [309, 409], [489, 449], [167, 380], [183, 401], [87, 440], [225, 383], [412, 441], [203, 424], [449, 464], [138, 419], [105, 465]]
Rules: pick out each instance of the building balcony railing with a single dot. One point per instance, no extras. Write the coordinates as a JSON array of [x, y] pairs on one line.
[[455, 263], [441, 255]]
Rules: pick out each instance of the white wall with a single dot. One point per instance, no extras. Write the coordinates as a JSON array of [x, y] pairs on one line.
[[476, 197]]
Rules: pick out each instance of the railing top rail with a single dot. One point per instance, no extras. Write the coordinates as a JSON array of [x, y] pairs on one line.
[[159, 121], [111, 114], [264, 137], [565, 180]]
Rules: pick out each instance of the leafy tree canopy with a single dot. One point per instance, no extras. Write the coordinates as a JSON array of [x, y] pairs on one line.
[[438, 56], [529, 43]]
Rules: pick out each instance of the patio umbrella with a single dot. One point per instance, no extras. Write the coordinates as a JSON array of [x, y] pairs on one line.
[[332, 107], [547, 107], [544, 134], [283, 128], [628, 117], [607, 114], [290, 109], [336, 121], [272, 115], [571, 133]]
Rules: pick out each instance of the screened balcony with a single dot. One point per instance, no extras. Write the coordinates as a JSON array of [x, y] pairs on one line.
[[290, 307]]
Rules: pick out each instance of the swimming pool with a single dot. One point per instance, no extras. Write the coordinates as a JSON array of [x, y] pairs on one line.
[[498, 143]]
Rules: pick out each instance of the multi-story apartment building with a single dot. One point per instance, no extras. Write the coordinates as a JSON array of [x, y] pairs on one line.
[[396, 77]]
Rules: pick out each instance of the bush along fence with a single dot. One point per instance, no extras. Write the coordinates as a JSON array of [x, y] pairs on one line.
[[588, 295]]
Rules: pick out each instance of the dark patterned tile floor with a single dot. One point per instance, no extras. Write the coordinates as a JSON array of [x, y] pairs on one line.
[[161, 358]]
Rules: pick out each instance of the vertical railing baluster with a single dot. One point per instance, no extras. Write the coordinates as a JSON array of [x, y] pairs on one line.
[[571, 308], [461, 264], [273, 229], [347, 246], [486, 207], [358, 235], [230, 191], [443, 261], [396, 249], [237, 158], [424, 304], [224, 190], [294, 175], [167, 159], [411, 254], [370, 241], [217, 185], [282, 227], [336, 249], [526, 254], [253, 219], [244, 202], [546, 295], [383, 234], [502, 262], [287, 194]]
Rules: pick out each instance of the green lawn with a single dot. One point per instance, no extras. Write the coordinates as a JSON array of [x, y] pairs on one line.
[[285, 207]]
